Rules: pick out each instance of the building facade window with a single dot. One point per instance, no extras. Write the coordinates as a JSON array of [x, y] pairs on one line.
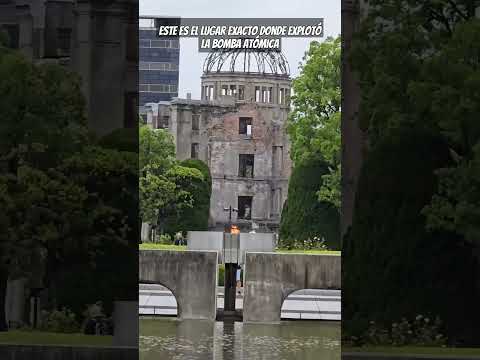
[[195, 122], [246, 164], [258, 94], [194, 151], [241, 92], [64, 41], [163, 123], [158, 66], [158, 88], [245, 207], [13, 34], [208, 92], [245, 126], [159, 44]]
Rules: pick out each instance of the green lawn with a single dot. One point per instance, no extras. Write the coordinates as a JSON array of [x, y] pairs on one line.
[[316, 252], [416, 350], [152, 246], [25, 337]]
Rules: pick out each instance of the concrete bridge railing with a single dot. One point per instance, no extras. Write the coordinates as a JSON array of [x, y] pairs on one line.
[[190, 275], [270, 278]]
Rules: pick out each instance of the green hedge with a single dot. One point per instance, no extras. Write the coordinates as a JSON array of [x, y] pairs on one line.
[[304, 216], [394, 268], [195, 218]]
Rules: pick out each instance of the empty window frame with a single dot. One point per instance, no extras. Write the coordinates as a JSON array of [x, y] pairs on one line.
[[265, 96], [194, 151], [258, 94], [241, 92], [195, 122], [245, 207], [13, 35], [244, 125], [232, 91], [281, 96], [224, 90], [208, 92], [246, 165], [63, 41], [163, 123]]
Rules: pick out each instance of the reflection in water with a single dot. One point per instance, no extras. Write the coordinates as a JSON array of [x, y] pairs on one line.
[[198, 340]]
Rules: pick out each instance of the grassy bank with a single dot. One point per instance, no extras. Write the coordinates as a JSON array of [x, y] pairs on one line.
[[24, 337], [416, 350], [313, 252], [152, 246]]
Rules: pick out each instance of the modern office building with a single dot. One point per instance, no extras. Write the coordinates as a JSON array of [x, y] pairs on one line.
[[159, 60]]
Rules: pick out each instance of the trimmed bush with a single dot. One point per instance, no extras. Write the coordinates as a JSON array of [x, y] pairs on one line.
[[195, 218], [304, 217]]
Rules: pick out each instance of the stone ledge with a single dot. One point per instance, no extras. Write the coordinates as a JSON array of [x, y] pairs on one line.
[[384, 356], [60, 352]]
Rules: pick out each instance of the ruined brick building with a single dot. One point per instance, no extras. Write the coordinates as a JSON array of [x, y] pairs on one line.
[[238, 128]]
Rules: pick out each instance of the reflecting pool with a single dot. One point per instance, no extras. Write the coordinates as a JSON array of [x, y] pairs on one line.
[[168, 338]]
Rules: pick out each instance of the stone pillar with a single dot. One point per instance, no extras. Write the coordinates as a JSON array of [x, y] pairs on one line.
[[15, 303], [82, 48], [125, 323], [25, 21], [352, 136]]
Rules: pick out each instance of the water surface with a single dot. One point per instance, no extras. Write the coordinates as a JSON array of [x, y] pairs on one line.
[[168, 338]]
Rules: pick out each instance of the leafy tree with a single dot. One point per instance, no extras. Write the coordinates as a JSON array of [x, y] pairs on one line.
[[314, 123], [196, 217], [417, 64], [66, 204], [157, 150], [448, 95], [190, 191], [392, 267], [303, 216], [176, 196], [42, 121]]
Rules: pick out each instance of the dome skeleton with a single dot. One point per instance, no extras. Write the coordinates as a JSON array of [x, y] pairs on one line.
[[246, 61]]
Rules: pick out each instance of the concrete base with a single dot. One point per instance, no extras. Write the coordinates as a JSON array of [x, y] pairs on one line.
[[125, 322], [270, 278], [15, 303], [190, 275]]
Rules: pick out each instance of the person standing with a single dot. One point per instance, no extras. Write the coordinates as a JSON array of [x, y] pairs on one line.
[[239, 278]]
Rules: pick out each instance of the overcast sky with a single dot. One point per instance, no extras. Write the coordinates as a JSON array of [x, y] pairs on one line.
[[191, 61]]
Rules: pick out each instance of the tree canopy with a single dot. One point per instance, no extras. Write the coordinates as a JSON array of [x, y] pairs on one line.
[[173, 195], [314, 123], [418, 69]]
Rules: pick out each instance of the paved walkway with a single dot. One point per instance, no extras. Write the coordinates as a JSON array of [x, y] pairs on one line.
[[303, 304]]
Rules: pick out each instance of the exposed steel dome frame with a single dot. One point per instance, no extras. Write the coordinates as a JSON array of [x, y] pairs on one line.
[[246, 61]]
